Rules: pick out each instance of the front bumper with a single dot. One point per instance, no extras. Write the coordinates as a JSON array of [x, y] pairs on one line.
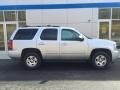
[[115, 54]]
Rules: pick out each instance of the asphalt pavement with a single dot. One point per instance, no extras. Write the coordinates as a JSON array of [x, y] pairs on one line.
[[59, 76]]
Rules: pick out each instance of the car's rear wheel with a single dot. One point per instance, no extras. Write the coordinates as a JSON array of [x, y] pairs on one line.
[[31, 60], [101, 60]]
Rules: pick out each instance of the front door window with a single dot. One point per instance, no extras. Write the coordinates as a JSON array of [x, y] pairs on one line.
[[69, 35]]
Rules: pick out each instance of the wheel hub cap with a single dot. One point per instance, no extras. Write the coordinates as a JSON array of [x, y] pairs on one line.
[[31, 61], [100, 60]]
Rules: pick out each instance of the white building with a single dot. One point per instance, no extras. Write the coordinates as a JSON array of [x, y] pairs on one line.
[[94, 18]]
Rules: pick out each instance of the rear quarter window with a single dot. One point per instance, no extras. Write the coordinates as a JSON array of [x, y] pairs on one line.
[[25, 34]]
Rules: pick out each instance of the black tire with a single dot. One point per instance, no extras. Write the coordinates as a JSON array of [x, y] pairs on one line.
[[36, 59], [95, 61]]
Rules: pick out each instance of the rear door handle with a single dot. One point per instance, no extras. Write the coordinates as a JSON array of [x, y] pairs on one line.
[[41, 43]]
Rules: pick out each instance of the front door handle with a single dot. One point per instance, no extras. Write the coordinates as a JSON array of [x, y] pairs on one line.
[[64, 44], [41, 43]]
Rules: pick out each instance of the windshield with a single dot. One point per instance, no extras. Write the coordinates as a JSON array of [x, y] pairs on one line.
[[87, 36]]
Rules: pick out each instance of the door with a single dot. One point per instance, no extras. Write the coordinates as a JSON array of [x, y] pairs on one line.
[[71, 47], [104, 30], [48, 43]]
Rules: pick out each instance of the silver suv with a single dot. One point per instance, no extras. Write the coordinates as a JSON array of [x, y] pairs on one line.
[[34, 45]]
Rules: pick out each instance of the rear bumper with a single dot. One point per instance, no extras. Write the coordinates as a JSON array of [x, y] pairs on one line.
[[14, 54]]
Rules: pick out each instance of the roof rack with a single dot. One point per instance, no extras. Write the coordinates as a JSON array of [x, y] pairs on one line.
[[52, 26], [41, 26], [31, 26]]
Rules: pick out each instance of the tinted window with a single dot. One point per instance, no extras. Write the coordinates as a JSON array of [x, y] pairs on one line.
[[49, 34], [69, 35], [25, 34]]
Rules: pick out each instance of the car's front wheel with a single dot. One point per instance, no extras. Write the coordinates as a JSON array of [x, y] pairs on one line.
[[31, 60], [101, 60]]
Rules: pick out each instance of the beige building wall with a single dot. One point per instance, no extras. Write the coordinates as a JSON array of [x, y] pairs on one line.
[[83, 19]]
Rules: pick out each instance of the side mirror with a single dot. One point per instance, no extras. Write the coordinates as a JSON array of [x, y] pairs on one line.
[[81, 38]]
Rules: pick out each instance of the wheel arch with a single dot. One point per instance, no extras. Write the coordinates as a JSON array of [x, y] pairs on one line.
[[101, 49], [24, 51]]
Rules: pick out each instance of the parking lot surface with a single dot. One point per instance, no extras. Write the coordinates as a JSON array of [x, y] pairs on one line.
[[59, 76]]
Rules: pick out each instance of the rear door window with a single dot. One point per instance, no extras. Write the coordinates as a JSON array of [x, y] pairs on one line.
[[49, 34], [25, 34]]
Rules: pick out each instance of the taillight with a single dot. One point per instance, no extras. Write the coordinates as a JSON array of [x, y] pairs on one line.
[[10, 44]]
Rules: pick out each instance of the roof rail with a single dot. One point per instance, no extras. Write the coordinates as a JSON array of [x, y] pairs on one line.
[[32, 26], [42, 26]]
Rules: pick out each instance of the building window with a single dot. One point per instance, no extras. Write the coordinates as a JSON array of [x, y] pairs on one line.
[[10, 15], [13, 19], [104, 30], [22, 23], [1, 16], [111, 25], [115, 30], [104, 13], [116, 13], [2, 47], [10, 29], [21, 16]]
